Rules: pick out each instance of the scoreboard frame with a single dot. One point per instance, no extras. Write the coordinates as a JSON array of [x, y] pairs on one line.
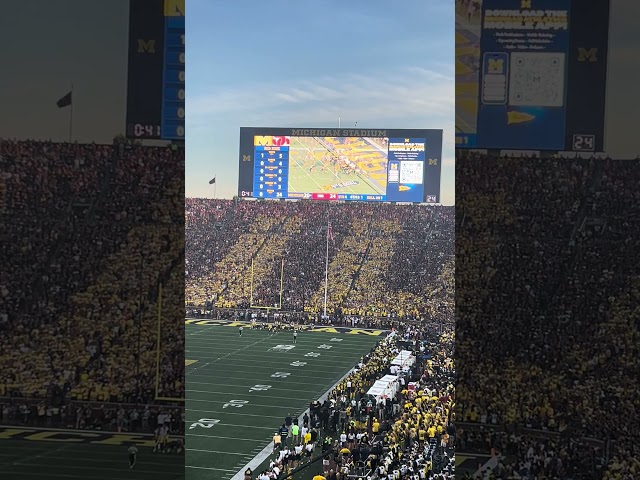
[[156, 76], [432, 160]]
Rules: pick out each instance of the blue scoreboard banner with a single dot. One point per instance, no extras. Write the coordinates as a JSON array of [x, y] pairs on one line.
[[524, 51], [543, 68], [173, 93], [271, 171], [405, 170]]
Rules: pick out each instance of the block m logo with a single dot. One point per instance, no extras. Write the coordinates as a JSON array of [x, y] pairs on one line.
[[433, 161], [525, 4], [146, 46], [496, 65], [246, 158], [587, 55], [264, 140]]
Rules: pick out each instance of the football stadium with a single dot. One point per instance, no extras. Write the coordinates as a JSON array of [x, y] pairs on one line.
[[319, 339]]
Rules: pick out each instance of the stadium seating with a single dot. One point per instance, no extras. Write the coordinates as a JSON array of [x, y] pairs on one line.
[[385, 260], [79, 217], [547, 330]]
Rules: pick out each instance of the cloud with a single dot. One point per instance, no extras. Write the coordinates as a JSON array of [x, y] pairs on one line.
[[412, 93]]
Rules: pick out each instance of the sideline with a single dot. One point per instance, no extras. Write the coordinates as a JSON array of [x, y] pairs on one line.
[[374, 332], [268, 450]]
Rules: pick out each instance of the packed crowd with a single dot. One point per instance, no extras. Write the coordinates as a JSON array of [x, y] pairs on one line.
[[409, 435], [384, 260], [91, 235], [93, 416], [547, 317]]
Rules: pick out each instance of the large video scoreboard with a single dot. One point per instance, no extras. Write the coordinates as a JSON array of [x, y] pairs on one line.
[[537, 80], [156, 80], [371, 165]]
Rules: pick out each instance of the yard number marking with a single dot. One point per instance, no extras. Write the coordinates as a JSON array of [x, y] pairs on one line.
[[235, 403], [259, 388], [204, 423]]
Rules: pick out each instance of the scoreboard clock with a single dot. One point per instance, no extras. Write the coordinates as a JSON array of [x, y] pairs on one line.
[[584, 143], [156, 78]]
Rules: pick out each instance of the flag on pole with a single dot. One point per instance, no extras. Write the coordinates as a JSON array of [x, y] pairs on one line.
[[212, 181], [64, 101], [330, 232]]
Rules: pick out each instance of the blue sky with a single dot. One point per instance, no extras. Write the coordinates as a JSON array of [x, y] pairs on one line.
[[283, 63]]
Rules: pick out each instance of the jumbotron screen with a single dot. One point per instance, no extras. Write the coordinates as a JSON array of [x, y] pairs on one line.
[[372, 165]]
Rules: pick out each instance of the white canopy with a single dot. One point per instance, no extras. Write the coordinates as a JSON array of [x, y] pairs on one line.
[[386, 387], [404, 359]]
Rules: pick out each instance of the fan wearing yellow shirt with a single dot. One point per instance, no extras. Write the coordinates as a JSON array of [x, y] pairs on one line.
[[376, 426], [277, 441]]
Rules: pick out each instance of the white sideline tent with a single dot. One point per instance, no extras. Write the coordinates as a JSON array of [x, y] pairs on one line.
[[404, 359], [386, 387]]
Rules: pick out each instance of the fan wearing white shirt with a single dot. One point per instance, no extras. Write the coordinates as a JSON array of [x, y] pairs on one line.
[[308, 450], [298, 454], [283, 453]]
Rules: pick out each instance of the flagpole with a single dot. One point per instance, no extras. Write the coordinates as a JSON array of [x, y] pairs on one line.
[[71, 115], [326, 273], [215, 185]]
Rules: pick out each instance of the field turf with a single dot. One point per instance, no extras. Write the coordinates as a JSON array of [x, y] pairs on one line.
[[239, 389], [25, 459]]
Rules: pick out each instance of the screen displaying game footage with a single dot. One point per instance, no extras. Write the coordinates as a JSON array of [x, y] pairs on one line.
[[357, 165]]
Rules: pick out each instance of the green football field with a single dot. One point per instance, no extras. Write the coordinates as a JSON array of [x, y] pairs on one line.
[[49, 460], [240, 389], [304, 181]]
